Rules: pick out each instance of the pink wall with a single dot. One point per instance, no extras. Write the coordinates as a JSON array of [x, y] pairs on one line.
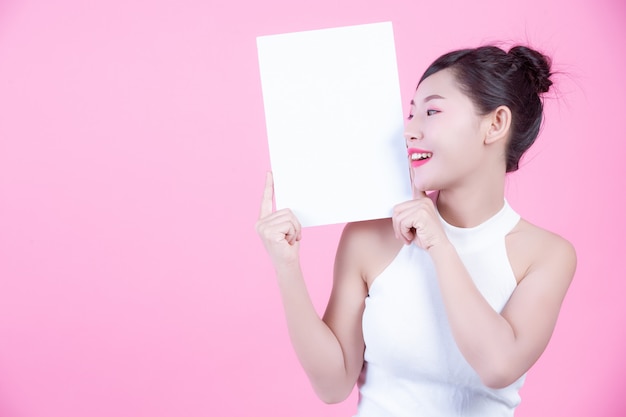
[[132, 158]]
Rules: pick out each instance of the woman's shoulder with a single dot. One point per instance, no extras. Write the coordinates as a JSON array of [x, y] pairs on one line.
[[370, 236], [371, 244], [374, 230], [532, 247], [538, 236]]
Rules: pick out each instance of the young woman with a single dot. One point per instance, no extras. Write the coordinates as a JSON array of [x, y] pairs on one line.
[[440, 310]]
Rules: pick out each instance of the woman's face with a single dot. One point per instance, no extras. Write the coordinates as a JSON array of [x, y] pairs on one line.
[[444, 134]]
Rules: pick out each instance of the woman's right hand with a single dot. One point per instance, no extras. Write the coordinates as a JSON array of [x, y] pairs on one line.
[[279, 230]]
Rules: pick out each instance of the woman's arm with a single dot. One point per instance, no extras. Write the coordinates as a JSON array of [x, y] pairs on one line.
[[500, 347], [329, 350]]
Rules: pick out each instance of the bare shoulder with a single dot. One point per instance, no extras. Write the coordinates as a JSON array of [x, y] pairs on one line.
[[531, 247], [370, 246]]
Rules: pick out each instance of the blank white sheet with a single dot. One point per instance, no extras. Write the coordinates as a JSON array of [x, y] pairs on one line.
[[334, 123]]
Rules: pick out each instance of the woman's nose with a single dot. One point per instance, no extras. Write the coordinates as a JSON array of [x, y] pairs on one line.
[[412, 131], [410, 135]]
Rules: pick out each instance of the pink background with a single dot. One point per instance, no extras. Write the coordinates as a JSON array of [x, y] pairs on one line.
[[132, 160]]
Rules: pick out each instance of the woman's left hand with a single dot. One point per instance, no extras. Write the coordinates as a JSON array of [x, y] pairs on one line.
[[417, 221]]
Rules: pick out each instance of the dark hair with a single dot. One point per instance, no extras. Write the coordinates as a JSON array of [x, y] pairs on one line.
[[492, 77]]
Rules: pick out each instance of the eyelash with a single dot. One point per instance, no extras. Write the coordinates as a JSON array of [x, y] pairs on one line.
[[428, 113]]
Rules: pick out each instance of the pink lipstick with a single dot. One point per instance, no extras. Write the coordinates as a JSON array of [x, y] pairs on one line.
[[418, 157]]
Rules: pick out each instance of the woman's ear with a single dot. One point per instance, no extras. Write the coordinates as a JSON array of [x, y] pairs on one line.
[[499, 125]]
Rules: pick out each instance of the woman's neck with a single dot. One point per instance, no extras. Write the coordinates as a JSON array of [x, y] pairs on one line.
[[469, 206]]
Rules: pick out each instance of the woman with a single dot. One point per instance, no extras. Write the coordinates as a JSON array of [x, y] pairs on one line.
[[440, 310]]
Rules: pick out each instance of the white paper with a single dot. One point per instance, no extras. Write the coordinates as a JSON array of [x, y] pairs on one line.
[[334, 123]]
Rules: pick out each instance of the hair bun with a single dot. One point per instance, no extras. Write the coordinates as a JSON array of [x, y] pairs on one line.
[[535, 65]]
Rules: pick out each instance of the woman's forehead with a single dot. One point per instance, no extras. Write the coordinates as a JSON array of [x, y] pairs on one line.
[[442, 84]]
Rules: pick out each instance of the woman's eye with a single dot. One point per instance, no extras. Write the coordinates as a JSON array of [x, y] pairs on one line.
[[431, 112]]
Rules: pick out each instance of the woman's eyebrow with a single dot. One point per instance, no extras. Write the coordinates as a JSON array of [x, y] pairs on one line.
[[433, 97], [430, 97]]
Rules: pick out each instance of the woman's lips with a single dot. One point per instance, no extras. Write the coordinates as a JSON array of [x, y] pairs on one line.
[[418, 157]]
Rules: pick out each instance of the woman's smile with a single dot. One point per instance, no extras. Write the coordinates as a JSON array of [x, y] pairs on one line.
[[418, 157]]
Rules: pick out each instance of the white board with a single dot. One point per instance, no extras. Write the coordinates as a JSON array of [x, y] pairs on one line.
[[334, 123]]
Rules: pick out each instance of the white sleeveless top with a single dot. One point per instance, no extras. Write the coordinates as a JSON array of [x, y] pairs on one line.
[[413, 367]]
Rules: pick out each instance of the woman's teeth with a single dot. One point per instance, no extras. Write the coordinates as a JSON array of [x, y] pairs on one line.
[[420, 156]]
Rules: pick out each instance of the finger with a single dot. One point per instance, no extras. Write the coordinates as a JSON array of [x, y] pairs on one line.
[[282, 223], [286, 230], [407, 233], [396, 220], [418, 242], [417, 194], [403, 227], [291, 234], [403, 207], [268, 196], [275, 233], [297, 230]]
